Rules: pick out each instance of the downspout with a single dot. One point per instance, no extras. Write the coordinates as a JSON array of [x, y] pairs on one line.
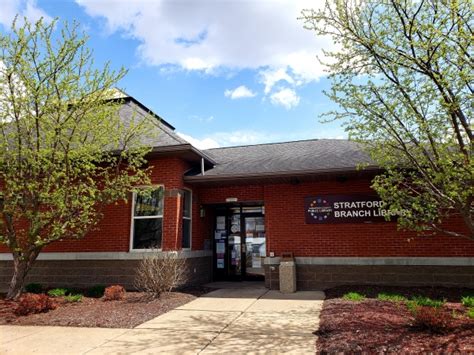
[[202, 167]]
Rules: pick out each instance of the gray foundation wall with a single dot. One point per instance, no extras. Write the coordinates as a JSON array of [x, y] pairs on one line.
[[320, 277], [87, 273]]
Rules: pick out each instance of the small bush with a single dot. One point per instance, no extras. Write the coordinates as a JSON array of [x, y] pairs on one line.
[[34, 303], [57, 292], [391, 297], [427, 302], [468, 301], [354, 296], [470, 313], [34, 288], [73, 298], [432, 319], [160, 272], [412, 306], [96, 291], [114, 293]]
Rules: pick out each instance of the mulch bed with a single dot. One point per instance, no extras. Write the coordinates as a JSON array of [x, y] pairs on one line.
[[374, 326], [133, 310]]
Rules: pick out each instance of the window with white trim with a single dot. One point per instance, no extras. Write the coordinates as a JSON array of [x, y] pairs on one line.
[[187, 218], [147, 218]]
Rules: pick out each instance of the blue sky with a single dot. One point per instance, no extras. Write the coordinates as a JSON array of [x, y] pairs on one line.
[[222, 72]]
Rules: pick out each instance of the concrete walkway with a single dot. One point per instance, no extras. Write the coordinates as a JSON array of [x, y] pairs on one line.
[[238, 321]]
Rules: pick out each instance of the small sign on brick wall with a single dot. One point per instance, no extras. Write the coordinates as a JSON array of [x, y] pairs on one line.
[[344, 209]]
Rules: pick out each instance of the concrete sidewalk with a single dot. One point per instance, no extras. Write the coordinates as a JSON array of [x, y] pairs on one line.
[[238, 321]]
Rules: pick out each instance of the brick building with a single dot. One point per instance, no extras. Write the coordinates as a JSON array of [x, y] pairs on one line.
[[234, 211]]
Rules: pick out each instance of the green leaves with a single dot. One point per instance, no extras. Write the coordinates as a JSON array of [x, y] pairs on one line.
[[403, 82], [68, 144]]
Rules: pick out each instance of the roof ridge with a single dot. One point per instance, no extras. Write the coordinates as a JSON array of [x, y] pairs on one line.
[[286, 142]]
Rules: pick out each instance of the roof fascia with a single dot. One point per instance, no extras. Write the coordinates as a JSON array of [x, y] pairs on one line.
[[181, 148], [281, 174]]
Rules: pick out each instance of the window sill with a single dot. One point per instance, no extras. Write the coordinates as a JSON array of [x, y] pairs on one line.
[[144, 250]]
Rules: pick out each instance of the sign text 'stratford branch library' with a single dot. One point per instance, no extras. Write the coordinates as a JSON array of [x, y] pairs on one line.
[[344, 209]]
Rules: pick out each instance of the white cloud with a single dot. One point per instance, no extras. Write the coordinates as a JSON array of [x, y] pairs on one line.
[[194, 63], [286, 98], [22, 8], [206, 143], [270, 77], [240, 137], [225, 139], [239, 93], [204, 119], [248, 137], [212, 34]]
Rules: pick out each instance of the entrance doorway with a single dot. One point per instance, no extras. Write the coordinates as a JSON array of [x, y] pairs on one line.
[[239, 243]]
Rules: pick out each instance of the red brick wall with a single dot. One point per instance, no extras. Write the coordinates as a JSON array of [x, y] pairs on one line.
[[284, 219], [203, 197], [200, 227], [113, 232], [242, 193], [287, 231]]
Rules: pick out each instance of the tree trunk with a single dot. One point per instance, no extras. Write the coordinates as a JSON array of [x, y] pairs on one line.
[[467, 217], [21, 266]]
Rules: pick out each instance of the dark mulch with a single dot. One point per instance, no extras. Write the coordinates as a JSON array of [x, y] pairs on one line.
[[135, 309], [450, 294], [374, 326]]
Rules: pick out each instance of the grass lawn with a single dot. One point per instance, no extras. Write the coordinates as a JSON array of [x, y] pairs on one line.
[[384, 319], [133, 310]]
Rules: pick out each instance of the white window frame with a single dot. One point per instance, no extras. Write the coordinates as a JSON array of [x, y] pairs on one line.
[[133, 217], [190, 218]]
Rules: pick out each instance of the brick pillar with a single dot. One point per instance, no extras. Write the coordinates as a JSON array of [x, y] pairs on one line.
[[172, 223]]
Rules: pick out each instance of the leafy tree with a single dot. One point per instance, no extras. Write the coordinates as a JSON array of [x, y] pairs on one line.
[[402, 76], [64, 150]]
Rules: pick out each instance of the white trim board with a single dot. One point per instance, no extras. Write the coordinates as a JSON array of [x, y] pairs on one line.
[[387, 261], [134, 255]]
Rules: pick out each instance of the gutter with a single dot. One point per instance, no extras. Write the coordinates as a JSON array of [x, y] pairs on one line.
[[181, 148], [288, 174]]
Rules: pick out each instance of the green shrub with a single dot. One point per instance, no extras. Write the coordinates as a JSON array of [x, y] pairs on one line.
[[427, 302], [470, 312], [58, 292], [96, 291], [411, 305], [34, 288], [73, 298], [468, 301], [353, 296], [391, 297]]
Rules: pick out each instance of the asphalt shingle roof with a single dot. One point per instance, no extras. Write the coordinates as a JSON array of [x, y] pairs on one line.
[[317, 155], [163, 135], [298, 156]]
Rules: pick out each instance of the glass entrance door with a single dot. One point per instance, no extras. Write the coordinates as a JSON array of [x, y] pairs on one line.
[[235, 246], [239, 243], [255, 246]]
